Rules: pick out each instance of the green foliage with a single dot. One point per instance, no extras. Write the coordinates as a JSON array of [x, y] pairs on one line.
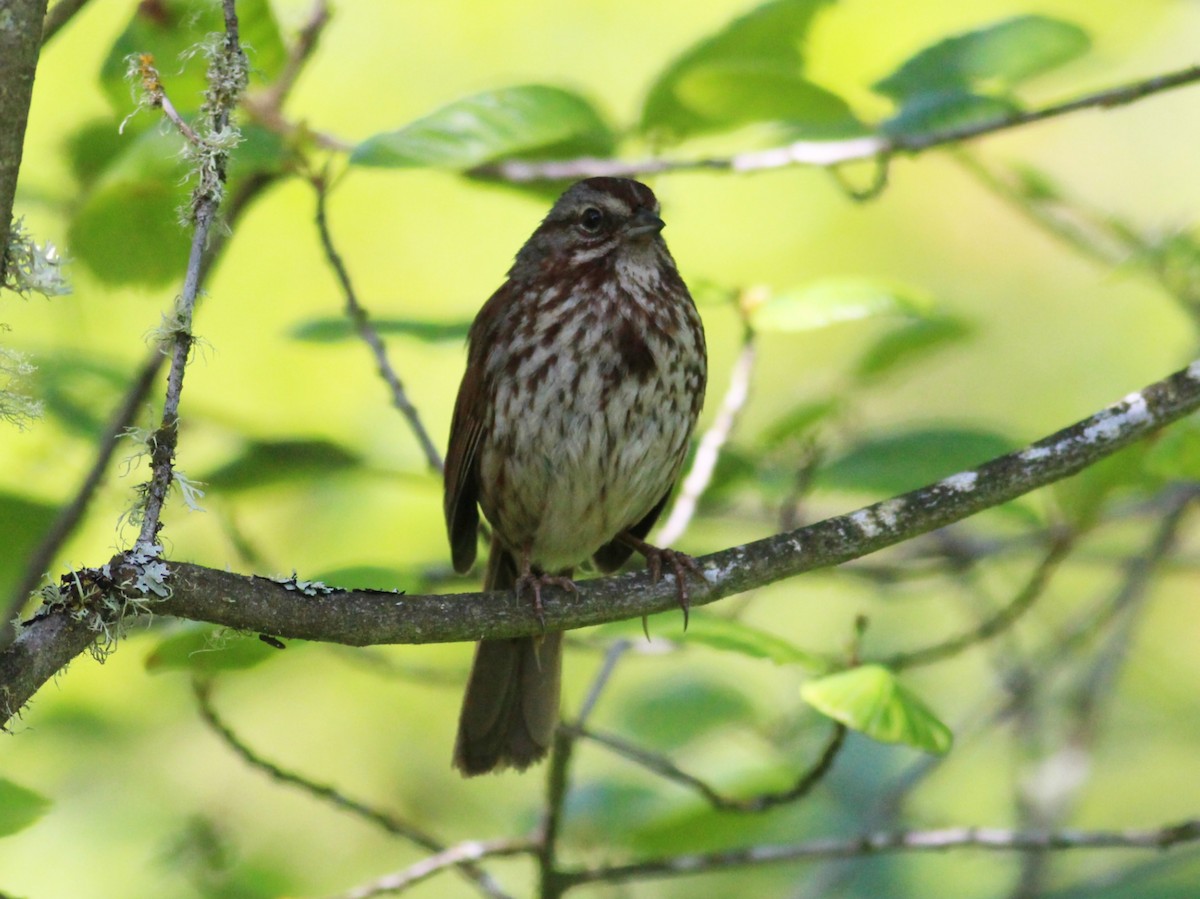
[[207, 649], [910, 343], [969, 78], [19, 807], [996, 58], [331, 329], [730, 635], [904, 460], [265, 462], [529, 121], [751, 70], [872, 700], [836, 300], [674, 711]]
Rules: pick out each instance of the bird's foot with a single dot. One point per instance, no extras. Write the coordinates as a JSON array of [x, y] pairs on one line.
[[534, 582], [681, 564]]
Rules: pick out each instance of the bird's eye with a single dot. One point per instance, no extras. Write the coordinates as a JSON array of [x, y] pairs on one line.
[[591, 219]]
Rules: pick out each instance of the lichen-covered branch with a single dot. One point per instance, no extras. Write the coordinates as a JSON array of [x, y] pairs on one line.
[[360, 618], [20, 44], [226, 79]]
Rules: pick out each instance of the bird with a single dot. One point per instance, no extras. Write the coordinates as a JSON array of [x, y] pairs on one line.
[[585, 376]]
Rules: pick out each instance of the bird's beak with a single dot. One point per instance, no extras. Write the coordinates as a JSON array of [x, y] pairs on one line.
[[644, 221]]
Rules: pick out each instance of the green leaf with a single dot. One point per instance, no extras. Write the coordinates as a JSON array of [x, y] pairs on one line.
[[734, 94], [1084, 496], [995, 58], [206, 649], [763, 43], [797, 423], [871, 700], [947, 110], [279, 461], [19, 807], [335, 328], [23, 522], [78, 390], [127, 229], [670, 712], [834, 301], [898, 462], [93, 147], [1175, 454], [170, 31], [728, 635], [533, 120], [908, 343]]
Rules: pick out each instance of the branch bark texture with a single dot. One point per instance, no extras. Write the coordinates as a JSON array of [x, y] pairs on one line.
[[20, 44]]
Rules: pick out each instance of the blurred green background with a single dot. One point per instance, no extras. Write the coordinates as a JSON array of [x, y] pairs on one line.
[[148, 803]]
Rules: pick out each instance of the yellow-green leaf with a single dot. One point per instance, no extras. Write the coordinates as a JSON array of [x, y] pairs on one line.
[[871, 700]]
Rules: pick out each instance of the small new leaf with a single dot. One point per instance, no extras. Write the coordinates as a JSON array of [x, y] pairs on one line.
[[871, 700]]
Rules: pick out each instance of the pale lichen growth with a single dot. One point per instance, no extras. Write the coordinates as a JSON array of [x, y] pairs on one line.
[[963, 482], [307, 588], [30, 268]]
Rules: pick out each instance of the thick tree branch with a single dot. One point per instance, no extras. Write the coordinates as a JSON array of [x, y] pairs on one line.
[[831, 153], [361, 618], [20, 44]]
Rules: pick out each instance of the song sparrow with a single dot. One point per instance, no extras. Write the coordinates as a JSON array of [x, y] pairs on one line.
[[585, 375]]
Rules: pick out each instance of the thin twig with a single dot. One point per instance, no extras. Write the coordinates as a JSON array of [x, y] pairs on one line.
[[470, 851], [709, 450], [612, 655], [550, 885], [1059, 548], [228, 66], [202, 690], [664, 767], [832, 153], [362, 324], [990, 838], [275, 94], [122, 419]]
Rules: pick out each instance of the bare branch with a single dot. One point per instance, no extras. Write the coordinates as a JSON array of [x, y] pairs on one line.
[[664, 767], [832, 153], [362, 324], [991, 838], [1059, 548], [202, 690], [471, 851]]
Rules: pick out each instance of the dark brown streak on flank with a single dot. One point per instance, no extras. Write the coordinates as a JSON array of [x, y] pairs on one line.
[[635, 354]]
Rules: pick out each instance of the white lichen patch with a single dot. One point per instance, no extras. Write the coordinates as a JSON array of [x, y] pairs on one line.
[[1112, 422], [963, 482], [864, 520], [1193, 370], [876, 520]]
